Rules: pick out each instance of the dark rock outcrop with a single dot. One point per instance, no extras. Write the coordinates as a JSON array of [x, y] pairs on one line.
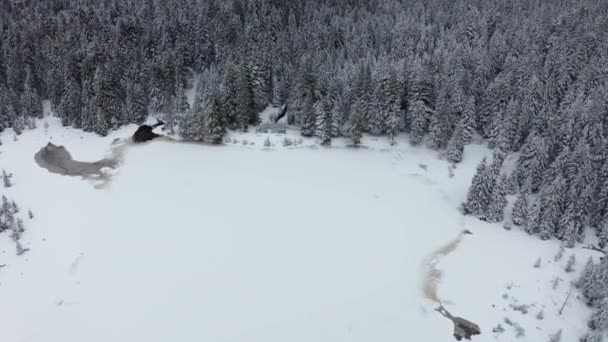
[[145, 132], [462, 328]]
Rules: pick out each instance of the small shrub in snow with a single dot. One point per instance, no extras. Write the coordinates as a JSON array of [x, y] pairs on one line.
[[560, 253], [287, 142], [20, 227], [245, 142], [523, 308], [20, 249], [30, 214], [252, 143], [234, 141], [19, 125], [519, 331], [18, 230], [557, 337], [555, 282], [267, 142], [570, 264], [505, 296], [507, 225], [540, 315], [15, 138], [31, 124], [300, 141], [498, 329], [537, 263], [6, 179], [15, 207]]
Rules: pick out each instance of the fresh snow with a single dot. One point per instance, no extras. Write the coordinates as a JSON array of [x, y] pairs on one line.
[[243, 242]]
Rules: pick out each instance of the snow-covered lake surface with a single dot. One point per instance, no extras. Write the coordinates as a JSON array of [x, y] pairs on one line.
[[249, 243]]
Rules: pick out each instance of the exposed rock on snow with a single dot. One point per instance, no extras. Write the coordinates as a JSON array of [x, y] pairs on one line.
[[462, 328], [145, 132]]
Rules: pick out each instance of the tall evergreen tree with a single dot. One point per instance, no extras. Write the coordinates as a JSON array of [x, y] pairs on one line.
[[520, 210], [552, 201], [392, 106], [498, 202], [478, 195], [31, 105], [215, 118], [326, 115], [419, 121], [136, 106]]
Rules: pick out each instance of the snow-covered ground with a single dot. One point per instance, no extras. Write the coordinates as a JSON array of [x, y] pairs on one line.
[[246, 242]]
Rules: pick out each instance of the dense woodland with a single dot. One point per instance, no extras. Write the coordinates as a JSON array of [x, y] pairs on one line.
[[527, 76]]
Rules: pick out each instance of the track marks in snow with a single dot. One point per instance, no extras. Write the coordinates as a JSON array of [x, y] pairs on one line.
[[432, 274]]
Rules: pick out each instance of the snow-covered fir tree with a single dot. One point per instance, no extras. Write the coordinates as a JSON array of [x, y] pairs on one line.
[[327, 125], [498, 201], [519, 215], [477, 197], [6, 179], [215, 118]]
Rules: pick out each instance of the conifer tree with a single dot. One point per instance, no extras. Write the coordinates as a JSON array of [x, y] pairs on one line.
[[557, 337], [6, 179], [534, 218], [104, 102], [498, 201], [137, 109], [309, 118], [477, 199], [463, 133], [326, 130], [70, 105], [392, 107], [551, 202], [357, 123], [246, 113], [192, 124], [520, 210], [570, 264], [419, 115], [599, 319], [215, 118], [31, 105]]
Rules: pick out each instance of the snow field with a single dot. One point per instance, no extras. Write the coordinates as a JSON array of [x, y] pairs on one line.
[[248, 243]]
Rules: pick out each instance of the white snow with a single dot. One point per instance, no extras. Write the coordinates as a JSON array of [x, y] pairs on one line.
[[246, 243]]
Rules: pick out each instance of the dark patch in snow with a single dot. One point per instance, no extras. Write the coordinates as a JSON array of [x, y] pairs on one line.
[[57, 159]]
